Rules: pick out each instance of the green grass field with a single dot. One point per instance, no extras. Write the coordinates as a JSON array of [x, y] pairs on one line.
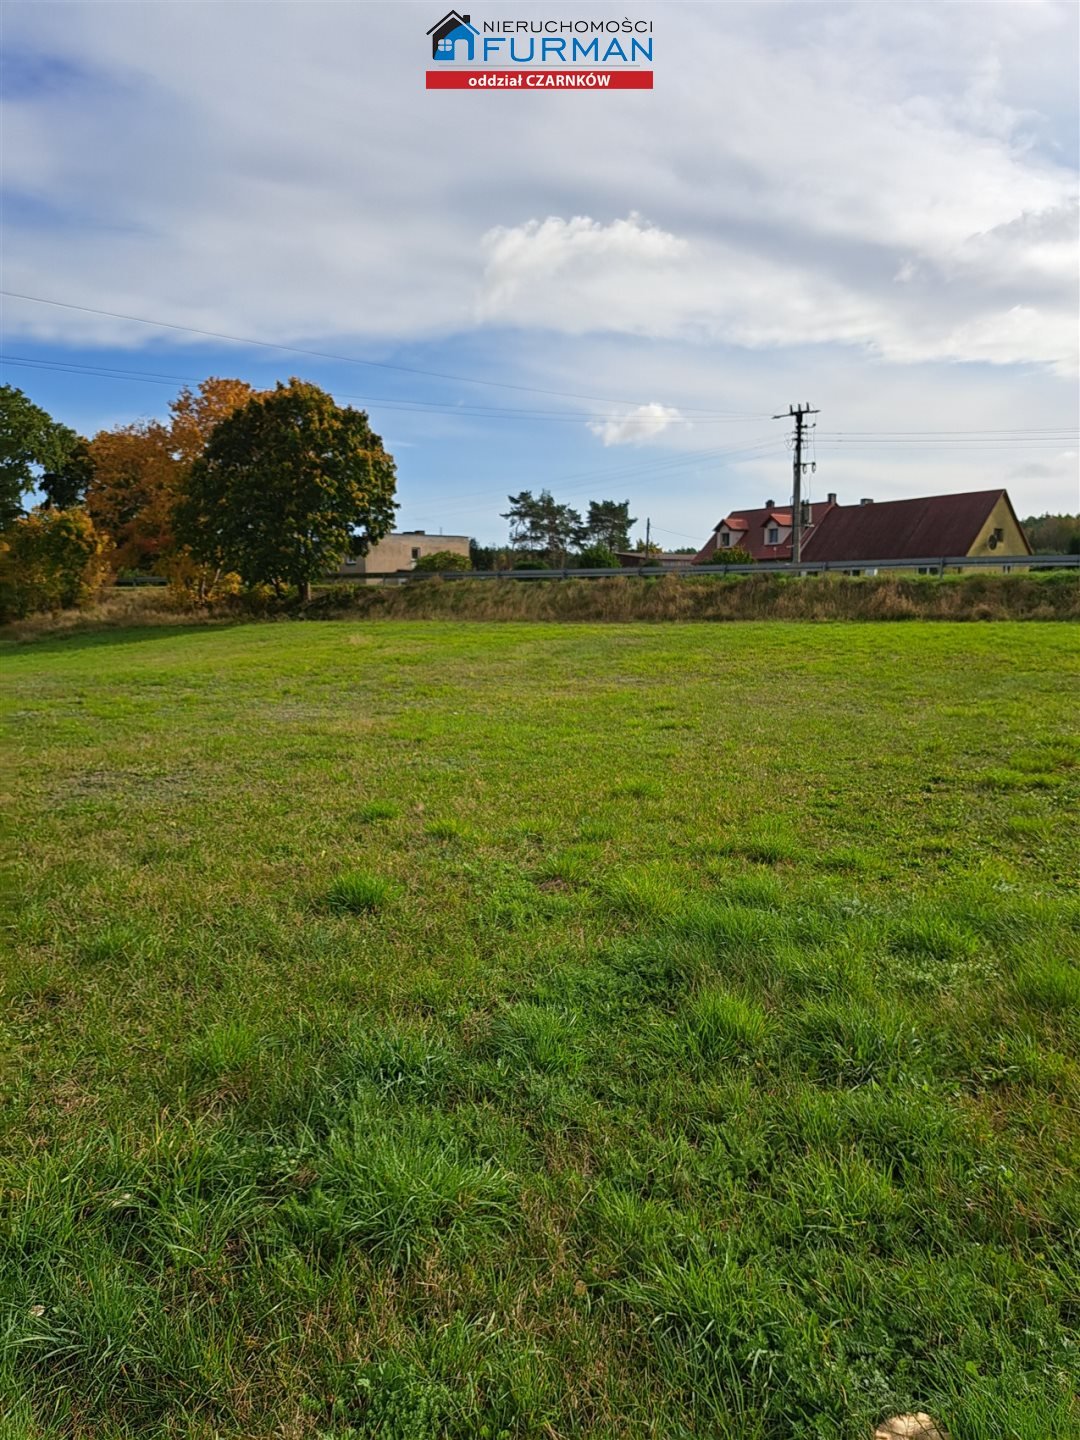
[[420, 1030]]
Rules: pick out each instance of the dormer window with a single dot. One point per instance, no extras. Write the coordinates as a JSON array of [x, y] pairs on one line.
[[725, 539], [773, 537]]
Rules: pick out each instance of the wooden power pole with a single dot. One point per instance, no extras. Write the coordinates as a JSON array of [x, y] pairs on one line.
[[798, 413]]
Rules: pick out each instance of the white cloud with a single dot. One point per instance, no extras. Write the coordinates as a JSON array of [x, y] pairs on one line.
[[580, 263], [637, 426]]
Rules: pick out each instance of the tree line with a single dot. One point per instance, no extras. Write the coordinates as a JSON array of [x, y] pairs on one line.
[[238, 488], [1053, 534]]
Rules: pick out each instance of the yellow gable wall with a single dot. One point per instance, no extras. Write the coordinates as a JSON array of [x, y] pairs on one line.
[[1013, 542]]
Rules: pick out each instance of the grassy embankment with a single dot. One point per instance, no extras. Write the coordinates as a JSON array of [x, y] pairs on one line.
[[512, 1031], [1053, 595]]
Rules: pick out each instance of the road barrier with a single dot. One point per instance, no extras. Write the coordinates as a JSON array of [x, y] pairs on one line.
[[926, 565]]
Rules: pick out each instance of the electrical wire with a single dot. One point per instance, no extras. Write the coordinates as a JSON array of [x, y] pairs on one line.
[[467, 409], [330, 355]]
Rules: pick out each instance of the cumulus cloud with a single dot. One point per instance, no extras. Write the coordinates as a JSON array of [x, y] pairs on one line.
[[582, 261], [637, 426]]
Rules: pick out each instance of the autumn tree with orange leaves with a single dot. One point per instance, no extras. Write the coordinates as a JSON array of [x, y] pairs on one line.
[[140, 474], [136, 483], [196, 412]]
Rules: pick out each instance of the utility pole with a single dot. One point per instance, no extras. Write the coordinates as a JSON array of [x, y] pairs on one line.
[[648, 528], [799, 413]]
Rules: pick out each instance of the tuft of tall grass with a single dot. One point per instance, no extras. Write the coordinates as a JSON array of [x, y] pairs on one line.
[[539, 1036], [357, 891], [377, 810], [649, 895], [396, 1186], [716, 1024]]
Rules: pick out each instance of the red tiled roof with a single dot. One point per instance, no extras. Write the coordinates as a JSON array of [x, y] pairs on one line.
[[751, 527], [902, 529]]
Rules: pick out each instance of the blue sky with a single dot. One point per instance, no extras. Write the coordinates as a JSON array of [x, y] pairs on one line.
[[869, 207]]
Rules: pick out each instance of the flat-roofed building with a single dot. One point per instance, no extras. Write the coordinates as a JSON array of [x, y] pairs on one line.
[[399, 552]]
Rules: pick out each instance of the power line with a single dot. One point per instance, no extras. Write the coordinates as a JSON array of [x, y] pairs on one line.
[[832, 437], [113, 372], [329, 355], [849, 439], [590, 478], [677, 533], [1016, 430], [1038, 442]]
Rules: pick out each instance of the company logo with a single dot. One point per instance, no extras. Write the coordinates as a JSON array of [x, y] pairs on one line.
[[453, 29], [540, 54]]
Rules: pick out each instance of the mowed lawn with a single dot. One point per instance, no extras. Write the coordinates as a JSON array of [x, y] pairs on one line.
[[430, 1030]]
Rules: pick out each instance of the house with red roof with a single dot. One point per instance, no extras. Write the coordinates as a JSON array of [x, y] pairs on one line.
[[980, 522], [765, 533]]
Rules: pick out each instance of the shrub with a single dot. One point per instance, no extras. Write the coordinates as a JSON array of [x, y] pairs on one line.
[[50, 560], [357, 891], [732, 556], [597, 557], [441, 561], [193, 583]]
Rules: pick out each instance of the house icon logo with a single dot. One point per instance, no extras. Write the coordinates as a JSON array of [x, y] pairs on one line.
[[445, 36]]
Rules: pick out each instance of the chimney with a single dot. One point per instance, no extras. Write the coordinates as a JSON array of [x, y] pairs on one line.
[[866, 502], [830, 499], [769, 504]]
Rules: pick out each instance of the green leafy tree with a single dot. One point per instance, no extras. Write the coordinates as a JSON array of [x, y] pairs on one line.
[[441, 561], [65, 486], [1052, 534], [287, 486], [31, 442], [609, 524], [485, 557], [543, 527]]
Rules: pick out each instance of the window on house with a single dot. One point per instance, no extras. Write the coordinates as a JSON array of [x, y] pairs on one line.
[[350, 560], [725, 539], [774, 535], [446, 47], [416, 552]]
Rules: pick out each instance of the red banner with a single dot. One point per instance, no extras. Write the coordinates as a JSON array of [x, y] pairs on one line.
[[546, 79]]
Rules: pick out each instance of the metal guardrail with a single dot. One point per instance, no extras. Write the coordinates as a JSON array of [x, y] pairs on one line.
[[931, 564]]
